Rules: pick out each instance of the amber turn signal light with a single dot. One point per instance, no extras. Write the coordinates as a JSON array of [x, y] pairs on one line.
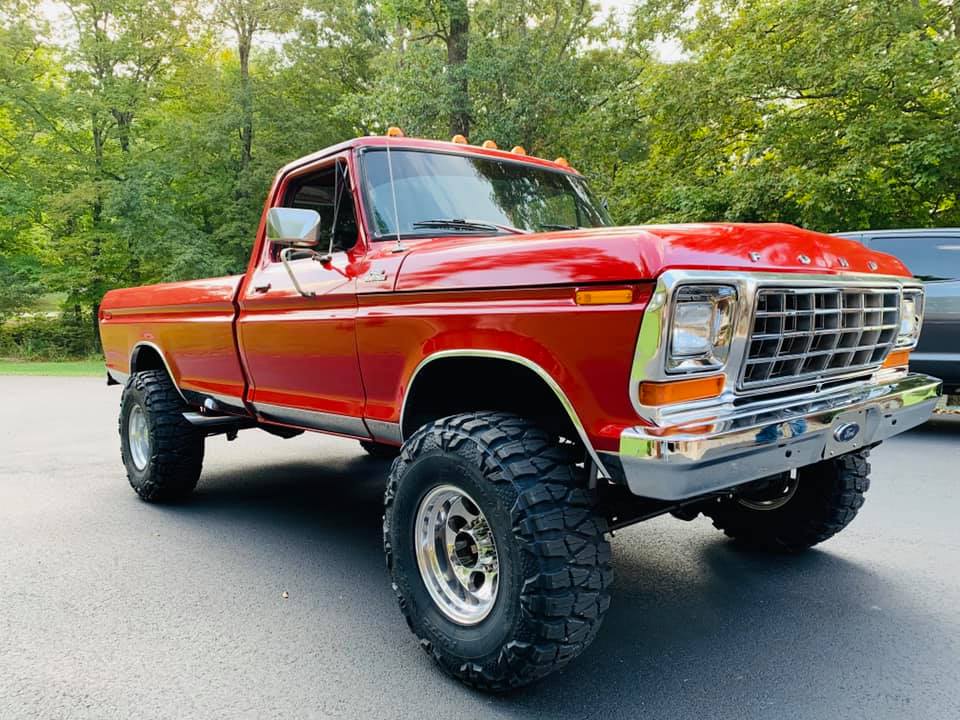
[[674, 391], [620, 296], [897, 358]]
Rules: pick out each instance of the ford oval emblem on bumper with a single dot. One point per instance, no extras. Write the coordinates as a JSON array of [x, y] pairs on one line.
[[845, 432]]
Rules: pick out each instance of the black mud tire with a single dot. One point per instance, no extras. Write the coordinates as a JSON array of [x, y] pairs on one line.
[[176, 447], [828, 496], [381, 451], [554, 556]]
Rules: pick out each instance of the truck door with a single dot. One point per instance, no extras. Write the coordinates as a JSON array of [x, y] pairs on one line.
[[300, 351]]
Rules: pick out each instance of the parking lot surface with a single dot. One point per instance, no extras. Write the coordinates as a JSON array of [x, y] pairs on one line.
[[112, 608]]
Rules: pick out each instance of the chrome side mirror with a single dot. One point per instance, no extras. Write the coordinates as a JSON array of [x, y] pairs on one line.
[[297, 230], [293, 227]]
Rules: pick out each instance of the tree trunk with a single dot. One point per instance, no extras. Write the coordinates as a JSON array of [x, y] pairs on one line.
[[246, 101], [124, 120], [96, 217], [95, 308], [457, 48], [97, 133]]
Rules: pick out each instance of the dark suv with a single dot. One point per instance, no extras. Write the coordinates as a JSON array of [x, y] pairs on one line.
[[933, 256]]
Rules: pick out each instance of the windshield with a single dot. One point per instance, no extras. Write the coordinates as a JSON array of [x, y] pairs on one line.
[[447, 194]]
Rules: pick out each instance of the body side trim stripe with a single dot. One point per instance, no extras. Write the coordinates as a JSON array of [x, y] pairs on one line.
[[313, 419]]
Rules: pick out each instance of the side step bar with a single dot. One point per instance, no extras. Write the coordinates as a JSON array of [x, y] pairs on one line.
[[215, 424]]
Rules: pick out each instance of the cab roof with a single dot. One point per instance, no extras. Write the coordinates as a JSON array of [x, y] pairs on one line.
[[405, 143]]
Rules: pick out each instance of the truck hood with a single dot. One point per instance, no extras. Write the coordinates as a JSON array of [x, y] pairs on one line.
[[630, 254]]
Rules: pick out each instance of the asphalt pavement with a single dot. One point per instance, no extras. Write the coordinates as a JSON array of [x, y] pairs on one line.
[[113, 608]]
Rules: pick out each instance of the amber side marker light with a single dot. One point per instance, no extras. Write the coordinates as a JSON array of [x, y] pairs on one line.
[[620, 296], [665, 393], [897, 358]]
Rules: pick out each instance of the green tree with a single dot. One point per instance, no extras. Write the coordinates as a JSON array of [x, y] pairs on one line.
[[31, 131], [137, 143], [247, 19], [827, 114], [116, 68]]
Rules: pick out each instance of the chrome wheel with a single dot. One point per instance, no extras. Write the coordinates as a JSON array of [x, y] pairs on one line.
[[138, 437], [456, 555], [774, 497]]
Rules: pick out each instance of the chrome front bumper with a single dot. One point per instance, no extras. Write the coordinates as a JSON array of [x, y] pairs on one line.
[[714, 454]]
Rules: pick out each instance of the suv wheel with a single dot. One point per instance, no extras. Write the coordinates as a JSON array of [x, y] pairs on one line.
[[162, 452], [499, 561]]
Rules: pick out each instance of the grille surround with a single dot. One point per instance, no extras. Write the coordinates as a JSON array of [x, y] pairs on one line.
[[808, 334]]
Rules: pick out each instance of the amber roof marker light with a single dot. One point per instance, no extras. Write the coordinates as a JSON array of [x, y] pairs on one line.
[[518, 150], [459, 139], [489, 145], [394, 131]]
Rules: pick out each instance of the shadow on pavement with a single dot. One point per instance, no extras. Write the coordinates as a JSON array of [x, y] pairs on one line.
[[945, 425], [697, 628]]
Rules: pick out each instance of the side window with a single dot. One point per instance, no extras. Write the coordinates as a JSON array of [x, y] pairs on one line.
[[328, 192], [927, 257]]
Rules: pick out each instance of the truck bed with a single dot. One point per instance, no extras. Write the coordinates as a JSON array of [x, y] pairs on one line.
[[193, 324]]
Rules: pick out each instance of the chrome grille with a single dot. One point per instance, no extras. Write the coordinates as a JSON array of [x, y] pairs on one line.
[[809, 333]]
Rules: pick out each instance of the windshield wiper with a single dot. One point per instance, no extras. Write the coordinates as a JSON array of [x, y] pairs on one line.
[[556, 226], [462, 224]]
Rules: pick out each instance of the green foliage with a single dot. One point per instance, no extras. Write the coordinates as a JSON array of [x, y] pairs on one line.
[[138, 137], [832, 115], [19, 287], [48, 338]]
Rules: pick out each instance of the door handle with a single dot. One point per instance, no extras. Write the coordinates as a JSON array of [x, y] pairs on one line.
[[261, 288]]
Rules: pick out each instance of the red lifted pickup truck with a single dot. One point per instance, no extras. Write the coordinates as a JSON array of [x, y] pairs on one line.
[[541, 377]]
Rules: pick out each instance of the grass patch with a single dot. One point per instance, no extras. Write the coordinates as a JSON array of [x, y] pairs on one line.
[[71, 368]]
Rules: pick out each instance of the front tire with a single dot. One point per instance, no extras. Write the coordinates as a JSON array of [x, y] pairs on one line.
[[825, 499], [161, 450], [518, 513]]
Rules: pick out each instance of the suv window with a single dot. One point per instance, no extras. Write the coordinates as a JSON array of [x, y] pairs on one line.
[[430, 188], [321, 191], [927, 257]]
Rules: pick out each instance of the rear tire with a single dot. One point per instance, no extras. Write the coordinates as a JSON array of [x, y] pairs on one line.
[[826, 499], [161, 450], [553, 558]]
